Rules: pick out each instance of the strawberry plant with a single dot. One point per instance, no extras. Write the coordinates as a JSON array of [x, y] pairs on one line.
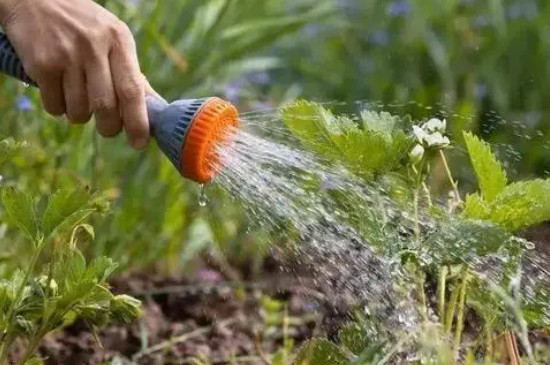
[[464, 250], [56, 285]]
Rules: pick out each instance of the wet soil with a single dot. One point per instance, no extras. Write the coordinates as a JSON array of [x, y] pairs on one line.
[[213, 316], [201, 318]]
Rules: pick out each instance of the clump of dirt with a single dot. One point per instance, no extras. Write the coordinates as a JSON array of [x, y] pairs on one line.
[[201, 318]]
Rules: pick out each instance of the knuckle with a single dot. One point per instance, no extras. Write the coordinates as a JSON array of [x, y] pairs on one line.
[[107, 132], [43, 65], [54, 109], [135, 130], [78, 116], [37, 65], [103, 103], [118, 30], [90, 41], [130, 89], [64, 53]]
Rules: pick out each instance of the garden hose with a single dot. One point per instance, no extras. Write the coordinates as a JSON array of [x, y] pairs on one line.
[[188, 131]]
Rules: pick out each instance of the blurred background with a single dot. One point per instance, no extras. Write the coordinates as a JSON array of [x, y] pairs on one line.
[[469, 57]]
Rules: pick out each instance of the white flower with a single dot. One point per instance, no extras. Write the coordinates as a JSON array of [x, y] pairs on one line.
[[435, 125], [419, 133], [430, 134], [416, 154], [437, 140]]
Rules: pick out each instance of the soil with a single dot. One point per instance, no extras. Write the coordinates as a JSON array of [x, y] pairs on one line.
[[212, 316], [204, 317]]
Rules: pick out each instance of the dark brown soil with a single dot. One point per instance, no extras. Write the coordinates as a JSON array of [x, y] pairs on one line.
[[201, 318], [212, 318]]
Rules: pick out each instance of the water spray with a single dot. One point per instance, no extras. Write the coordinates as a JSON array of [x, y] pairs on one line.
[[187, 131]]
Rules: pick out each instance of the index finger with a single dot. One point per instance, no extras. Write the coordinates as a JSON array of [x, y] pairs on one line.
[[130, 90]]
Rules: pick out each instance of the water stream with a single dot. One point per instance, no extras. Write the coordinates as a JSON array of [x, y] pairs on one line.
[[348, 235]]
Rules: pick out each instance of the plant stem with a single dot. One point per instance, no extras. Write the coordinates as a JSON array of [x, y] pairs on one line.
[[510, 349], [450, 175], [285, 337], [416, 218], [427, 193], [31, 349], [441, 288], [460, 316], [11, 311], [451, 311], [421, 294], [489, 344], [5, 348]]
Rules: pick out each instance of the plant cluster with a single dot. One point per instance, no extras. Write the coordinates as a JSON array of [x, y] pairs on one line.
[[55, 285], [464, 249]]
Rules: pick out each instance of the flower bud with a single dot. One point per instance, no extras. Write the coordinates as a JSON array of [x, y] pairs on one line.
[[416, 154], [125, 309]]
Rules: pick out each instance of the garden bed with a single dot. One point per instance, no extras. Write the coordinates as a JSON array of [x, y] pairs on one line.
[[184, 319]]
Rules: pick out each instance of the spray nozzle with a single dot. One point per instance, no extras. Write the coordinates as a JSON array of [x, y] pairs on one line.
[[190, 131]]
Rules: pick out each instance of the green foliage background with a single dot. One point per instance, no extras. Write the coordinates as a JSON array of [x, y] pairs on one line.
[[470, 57]]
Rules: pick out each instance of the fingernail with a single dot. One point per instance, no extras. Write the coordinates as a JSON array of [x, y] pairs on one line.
[[140, 143]]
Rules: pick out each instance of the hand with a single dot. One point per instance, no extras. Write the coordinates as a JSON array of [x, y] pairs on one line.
[[84, 60]]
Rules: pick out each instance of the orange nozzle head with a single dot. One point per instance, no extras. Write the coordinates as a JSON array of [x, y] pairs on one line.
[[211, 127]]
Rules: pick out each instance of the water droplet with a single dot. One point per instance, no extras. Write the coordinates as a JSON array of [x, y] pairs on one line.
[[203, 198]]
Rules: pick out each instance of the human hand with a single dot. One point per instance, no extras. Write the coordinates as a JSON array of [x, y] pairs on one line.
[[84, 60]]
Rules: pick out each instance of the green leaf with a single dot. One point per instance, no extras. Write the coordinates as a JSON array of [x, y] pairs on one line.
[[271, 305], [34, 361], [10, 148], [368, 151], [84, 231], [476, 208], [101, 268], [522, 204], [24, 326], [458, 240], [275, 25], [491, 177], [383, 122], [207, 17], [320, 352], [354, 337], [76, 267], [65, 209], [21, 211], [312, 124]]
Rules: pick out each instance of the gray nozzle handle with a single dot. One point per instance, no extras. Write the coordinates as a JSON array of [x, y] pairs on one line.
[[155, 107], [10, 63]]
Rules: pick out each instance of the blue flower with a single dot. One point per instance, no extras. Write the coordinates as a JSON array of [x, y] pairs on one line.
[[399, 8], [261, 78], [234, 89], [24, 104], [480, 90], [522, 10], [380, 37]]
